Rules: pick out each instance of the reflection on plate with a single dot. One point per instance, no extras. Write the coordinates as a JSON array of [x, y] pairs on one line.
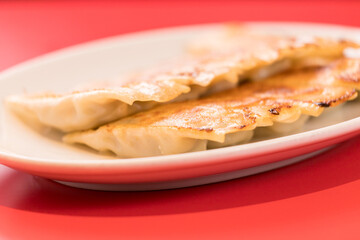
[[24, 149]]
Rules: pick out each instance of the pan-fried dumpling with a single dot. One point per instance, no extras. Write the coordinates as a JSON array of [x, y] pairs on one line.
[[233, 35], [229, 117], [252, 57]]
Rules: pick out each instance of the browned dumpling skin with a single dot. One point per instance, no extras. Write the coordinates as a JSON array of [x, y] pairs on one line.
[[228, 117], [249, 57]]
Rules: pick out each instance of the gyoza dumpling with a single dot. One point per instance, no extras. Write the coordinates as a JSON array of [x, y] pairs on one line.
[[252, 58], [229, 117], [233, 35]]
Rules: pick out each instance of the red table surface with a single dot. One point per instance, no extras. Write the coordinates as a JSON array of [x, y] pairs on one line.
[[315, 199]]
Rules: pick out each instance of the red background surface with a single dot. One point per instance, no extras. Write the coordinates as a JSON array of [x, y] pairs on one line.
[[315, 199]]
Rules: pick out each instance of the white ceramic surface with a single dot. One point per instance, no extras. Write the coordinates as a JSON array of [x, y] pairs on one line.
[[220, 177], [44, 155]]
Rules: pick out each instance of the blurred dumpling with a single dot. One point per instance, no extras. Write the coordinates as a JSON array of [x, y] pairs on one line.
[[228, 118], [247, 57]]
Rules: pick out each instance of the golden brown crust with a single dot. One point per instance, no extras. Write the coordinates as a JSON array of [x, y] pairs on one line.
[[254, 104]]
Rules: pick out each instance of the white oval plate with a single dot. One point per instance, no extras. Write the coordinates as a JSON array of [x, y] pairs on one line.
[[24, 149]]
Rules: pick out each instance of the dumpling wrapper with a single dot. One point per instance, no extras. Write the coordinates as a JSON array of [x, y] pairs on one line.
[[252, 57], [229, 117]]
